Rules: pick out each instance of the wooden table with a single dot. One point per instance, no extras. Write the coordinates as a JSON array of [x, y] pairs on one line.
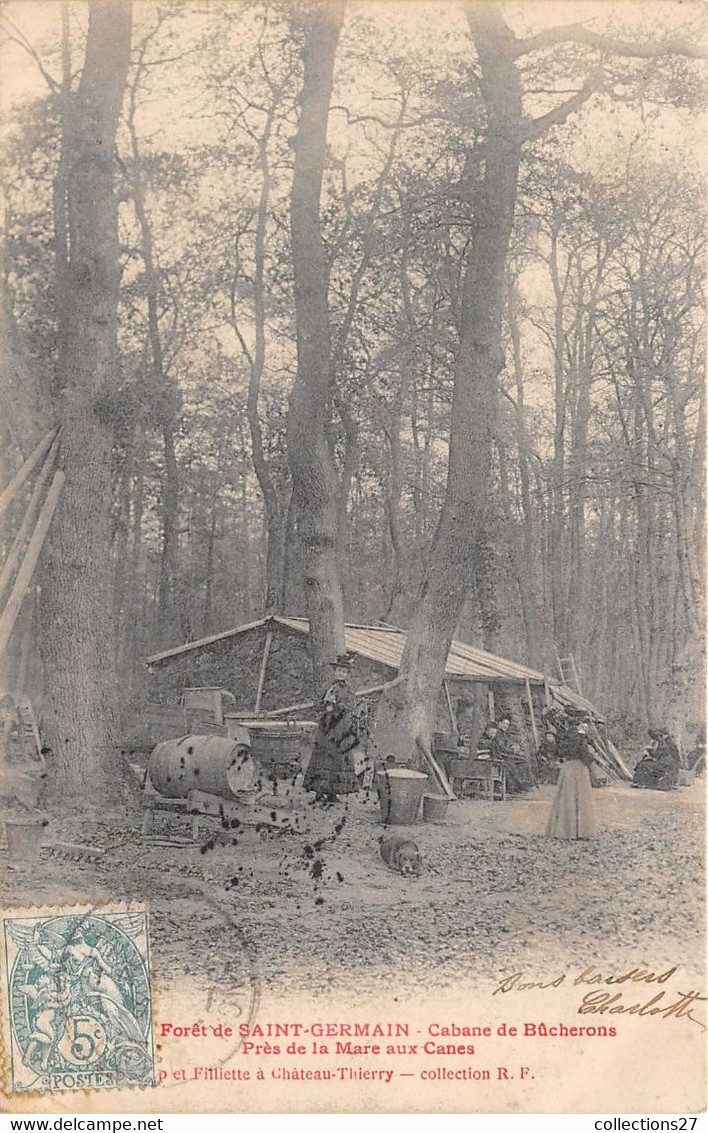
[[490, 773]]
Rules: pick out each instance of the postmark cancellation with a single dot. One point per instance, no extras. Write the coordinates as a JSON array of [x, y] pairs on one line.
[[77, 999]]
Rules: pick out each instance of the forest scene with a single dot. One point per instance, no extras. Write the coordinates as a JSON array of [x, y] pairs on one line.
[[369, 314]]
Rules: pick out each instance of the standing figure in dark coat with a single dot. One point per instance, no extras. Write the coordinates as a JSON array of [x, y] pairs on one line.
[[335, 766], [659, 768], [519, 776]]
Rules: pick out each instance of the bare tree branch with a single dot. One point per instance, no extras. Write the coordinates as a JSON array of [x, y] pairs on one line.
[[536, 127], [577, 33], [18, 37]]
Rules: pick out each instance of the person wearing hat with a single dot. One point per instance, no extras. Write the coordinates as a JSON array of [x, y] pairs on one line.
[[519, 777], [335, 766], [572, 815], [659, 768]]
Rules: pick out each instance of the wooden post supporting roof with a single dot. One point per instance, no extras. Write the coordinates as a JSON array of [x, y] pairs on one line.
[[533, 716], [24, 577], [264, 668], [453, 718], [10, 491]]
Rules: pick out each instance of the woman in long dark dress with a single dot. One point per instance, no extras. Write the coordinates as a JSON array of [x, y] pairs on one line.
[[334, 768], [659, 768], [572, 815]]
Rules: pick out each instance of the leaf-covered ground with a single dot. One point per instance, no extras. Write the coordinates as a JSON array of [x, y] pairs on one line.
[[322, 911]]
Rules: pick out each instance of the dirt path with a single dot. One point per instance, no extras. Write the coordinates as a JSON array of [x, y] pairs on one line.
[[322, 910]]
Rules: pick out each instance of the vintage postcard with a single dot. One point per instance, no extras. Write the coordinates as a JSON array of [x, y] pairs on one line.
[[352, 540]]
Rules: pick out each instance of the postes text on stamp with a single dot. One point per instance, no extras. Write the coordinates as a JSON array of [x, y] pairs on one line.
[[78, 999]]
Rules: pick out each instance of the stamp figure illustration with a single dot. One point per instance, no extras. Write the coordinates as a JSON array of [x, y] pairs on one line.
[[78, 1000]]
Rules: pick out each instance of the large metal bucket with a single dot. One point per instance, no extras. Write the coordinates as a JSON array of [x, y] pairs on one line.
[[400, 793], [24, 836], [276, 747], [203, 763]]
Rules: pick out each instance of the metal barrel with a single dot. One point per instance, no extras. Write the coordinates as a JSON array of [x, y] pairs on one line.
[[400, 793], [214, 764]]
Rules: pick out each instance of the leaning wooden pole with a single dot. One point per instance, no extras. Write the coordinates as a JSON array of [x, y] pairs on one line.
[[437, 772], [10, 564], [24, 577], [10, 491], [264, 669], [532, 714]]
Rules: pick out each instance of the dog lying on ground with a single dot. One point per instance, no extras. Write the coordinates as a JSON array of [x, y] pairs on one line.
[[401, 854]]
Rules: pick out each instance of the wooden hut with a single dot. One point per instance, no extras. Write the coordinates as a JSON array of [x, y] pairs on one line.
[[265, 667]]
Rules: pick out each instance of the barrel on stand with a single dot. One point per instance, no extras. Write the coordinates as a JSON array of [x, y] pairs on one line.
[[276, 747], [400, 794], [213, 764]]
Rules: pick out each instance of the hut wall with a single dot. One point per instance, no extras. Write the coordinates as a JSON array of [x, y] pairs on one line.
[[234, 663]]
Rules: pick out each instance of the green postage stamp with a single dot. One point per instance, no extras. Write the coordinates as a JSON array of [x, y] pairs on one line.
[[77, 997]]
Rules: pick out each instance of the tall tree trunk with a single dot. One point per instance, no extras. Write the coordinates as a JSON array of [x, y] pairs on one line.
[[309, 453], [524, 554], [274, 500], [407, 713], [173, 601], [522, 564], [557, 528], [578, 491], [391, 424], [138, 591], [76, 597]]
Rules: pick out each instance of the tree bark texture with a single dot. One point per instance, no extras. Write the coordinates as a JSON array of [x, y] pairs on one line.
[[407, 713], [315, 485], [76, 597]]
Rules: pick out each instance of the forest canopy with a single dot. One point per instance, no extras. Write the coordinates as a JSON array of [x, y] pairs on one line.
[[374, 311]]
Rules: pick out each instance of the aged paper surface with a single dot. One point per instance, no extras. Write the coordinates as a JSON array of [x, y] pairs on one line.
[[291, 968]]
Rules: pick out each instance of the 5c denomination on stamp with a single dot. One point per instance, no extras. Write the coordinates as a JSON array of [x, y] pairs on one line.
[[78, 999]]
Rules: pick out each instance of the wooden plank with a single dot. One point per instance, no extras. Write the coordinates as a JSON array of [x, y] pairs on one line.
[[10, 491], [533, 716], [453, 719], [30, 518], [262, 673], [438, 773], [202, 641], [24, 577], [154, 714], [311, 704]]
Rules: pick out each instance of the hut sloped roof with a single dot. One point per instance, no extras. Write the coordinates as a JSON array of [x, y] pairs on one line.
[[384, 645]]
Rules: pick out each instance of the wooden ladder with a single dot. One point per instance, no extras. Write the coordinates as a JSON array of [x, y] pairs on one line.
[[569, 673]]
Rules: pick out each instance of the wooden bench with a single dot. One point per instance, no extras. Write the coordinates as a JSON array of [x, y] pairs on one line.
[[489, 774]]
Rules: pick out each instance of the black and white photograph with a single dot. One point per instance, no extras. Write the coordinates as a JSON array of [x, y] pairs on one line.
[[352, 556]]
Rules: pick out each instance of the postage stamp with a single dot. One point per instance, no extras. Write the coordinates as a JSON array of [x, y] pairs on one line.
[[77, 996]]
